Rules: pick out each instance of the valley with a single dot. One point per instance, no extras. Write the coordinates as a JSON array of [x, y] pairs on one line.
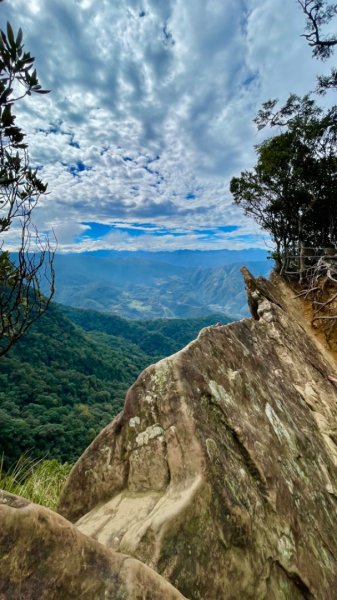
[[144, 285], [67, 378]]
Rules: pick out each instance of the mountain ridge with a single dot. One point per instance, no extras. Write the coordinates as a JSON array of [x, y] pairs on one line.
[[144, 286]]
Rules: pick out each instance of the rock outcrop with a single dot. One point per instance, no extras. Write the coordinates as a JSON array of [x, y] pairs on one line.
[[44, 557], [220, 473]]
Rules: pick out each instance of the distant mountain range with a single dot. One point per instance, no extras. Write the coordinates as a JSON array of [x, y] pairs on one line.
[[149, 285]]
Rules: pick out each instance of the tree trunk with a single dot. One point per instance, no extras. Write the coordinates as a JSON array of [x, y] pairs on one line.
[[301, 265]]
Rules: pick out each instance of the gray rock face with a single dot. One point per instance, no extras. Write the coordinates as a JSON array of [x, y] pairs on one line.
[[221, 471]]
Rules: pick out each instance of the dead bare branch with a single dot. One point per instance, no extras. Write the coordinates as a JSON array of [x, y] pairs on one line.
[[329, 276], [306, 292], [324, 304]]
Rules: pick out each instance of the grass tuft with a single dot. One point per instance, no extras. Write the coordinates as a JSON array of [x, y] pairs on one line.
[[40, 481]]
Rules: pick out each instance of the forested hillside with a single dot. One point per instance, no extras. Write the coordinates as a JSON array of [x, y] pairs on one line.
[[67, 378]]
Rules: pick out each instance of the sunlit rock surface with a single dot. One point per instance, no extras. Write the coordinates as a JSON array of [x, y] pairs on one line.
[[44, 557], [221, 471]]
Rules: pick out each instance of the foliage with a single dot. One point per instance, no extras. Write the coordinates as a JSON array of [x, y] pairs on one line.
[[60, 385], [319, 14], [21, 301], [291, 191], [40, 481], [157, 337]]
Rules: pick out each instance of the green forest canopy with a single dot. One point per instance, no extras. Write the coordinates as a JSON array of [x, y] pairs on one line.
[[67, 378]]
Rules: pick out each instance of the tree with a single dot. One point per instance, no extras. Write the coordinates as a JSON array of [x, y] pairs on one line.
[[291, 190], [21, 276], [319, 13]]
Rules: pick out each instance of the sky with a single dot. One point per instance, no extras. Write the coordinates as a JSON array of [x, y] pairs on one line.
[[150, 114]]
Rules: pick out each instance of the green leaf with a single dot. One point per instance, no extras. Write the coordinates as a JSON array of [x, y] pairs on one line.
[[7, 116], [6, 181], [33, 78], [28, 60], [10, 34], [19, 37]]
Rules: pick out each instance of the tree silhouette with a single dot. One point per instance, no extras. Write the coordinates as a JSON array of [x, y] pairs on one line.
[[23, 274]]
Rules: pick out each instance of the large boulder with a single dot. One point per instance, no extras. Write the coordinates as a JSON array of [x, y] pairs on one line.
[[44, 557], [220, 473]]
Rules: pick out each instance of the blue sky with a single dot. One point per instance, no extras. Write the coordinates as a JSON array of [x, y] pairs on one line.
[[151, 114]]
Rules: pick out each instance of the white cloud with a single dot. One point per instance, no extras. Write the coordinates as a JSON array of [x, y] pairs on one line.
[[151, 109]]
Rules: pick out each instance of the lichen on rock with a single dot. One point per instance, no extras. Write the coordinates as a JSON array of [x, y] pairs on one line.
[[221, 472], [219, 477]]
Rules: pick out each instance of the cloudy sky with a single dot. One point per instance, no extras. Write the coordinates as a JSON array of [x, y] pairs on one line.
[[150, 113]]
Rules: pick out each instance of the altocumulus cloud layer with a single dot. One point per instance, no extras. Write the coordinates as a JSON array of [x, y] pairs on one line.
[[151, 113]]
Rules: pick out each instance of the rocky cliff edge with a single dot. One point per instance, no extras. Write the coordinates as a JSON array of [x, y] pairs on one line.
[[220, 473]]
